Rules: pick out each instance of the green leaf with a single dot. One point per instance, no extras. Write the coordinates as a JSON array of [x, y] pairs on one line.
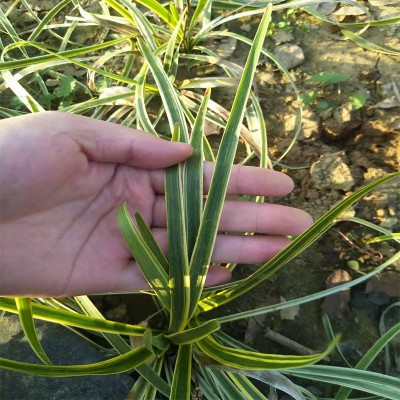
[[271, 378], [358, 100], [74, 319], [65, 87], [151, 242], [115, 365], [147, 261], [193, 177], [377, 239], [194, 334], [179, 274], [371, 382], [159, 10], [198, 12], [249, 360], [182, 374], [246, 387], [116, 341], [216, 195], [28, 325], [149, 382], [366, 44], [144, 26], [10, 65], [292, 250], [172, 43], [306, 299], [47, 18], [226, 388], [369, 356], [167, 91], [121, 346], [330, 77]]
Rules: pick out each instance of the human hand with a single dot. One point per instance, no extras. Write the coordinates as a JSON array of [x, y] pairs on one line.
[[62, 177]]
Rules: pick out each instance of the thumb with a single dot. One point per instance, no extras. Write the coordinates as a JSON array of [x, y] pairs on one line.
[[111, 143]]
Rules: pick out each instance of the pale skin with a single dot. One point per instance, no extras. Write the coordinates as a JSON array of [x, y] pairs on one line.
[[62, 178]]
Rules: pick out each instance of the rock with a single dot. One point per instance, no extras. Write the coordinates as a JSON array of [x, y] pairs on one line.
[[63, 348], [311, 126], [343, 122], [331, 172], [373, 174], [246, 27], [289, 313], [336, 304], [282, 36], [325, 8], [387, 283], [290, 55]]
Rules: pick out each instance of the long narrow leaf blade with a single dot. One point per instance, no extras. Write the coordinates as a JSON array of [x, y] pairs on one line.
[[151, 242], [150, 267], [28, 325], [179, 278], [245, 359], [115, 365], [213, 208], [369, 356], [182, 374], [167, 91], [293, 249], [193, 177], [386, 387], [74, 319]]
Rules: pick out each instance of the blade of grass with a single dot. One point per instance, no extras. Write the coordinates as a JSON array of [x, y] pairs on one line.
[[226, 388], [182, 374], [179, 275], [311, 297], [194, 334], [148, 263], [159, 10], [369, 356], [292, 250], [151, 242], [377, 239], [198, 12], [250, 360], [193, 177], [246, 387], [366, 44], [213, 207], [24, 308], [116, 365], [74, 319], [10, 65], [386, 387], [47, 18], [271, 378], [166, 90]]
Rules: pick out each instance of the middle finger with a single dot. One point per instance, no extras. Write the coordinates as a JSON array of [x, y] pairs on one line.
[[244, 216]]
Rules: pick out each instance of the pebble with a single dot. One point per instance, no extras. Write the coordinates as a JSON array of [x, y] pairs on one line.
[[332, 172], [290, 55]]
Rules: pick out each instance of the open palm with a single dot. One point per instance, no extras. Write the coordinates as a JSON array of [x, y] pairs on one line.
[[62, 179]]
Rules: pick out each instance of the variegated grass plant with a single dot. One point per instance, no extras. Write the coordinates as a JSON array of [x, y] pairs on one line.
[[191, 355]]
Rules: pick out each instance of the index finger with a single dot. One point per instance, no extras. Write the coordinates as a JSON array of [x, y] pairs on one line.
[[252, 181]]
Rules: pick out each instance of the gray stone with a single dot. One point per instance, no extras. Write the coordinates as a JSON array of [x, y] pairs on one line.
[[331, 172], [63, 347], [290, 55]]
